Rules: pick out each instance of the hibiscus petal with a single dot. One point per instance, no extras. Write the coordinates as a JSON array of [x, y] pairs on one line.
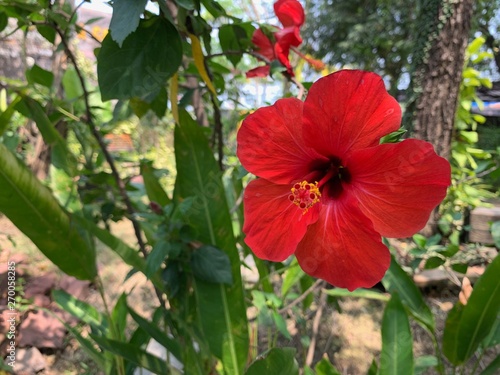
[[260, 71], [270, 143], [398, 185], [289, 12], [263, 44], [286, 38], [348, 110], [274, 225], [343, 248]]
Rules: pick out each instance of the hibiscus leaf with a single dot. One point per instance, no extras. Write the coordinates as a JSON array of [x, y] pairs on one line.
[[211, 264], [142, 66], [397, 343], [125, 19], [222, 307], [397, 280], [234, 38]]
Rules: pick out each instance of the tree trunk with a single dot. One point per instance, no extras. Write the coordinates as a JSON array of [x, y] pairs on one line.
[[437, 80], [442, 73]]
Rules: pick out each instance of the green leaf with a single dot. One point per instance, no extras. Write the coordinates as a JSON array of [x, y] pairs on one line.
[[493, 338], [47, 32], [221, 307], [62, 157], [280, 323], [214, 8], [40, 76], [495, 233], [423, 363], [119, 316], [81, 310], [156, 333], [449, 250], [6, 115], [188, 4], [460, 267], [71, 84], [135, 355], [493, 367], [324, 367], [4, 21], [34, 210], [393, 137], [373, 370], [466, 326], [211, 264], [292, 276], [397, 280], [420, 240], [358, 293], [125, 19], [144, 63], [156, 257], [433, 262], [397, 344], [86, 344], [154, 190], [277, 361], [234, 38]]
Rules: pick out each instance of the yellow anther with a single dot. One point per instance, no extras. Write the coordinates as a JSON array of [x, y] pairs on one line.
[[305, 195]]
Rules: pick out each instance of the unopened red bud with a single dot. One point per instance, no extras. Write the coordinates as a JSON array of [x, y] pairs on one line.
[[156, 208]]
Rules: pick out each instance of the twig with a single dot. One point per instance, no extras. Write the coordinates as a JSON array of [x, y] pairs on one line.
[[318, 284], [315, 328], [93, 129], [11, 33], [218, 131], [237, 203], [300, 87], [95, 132]]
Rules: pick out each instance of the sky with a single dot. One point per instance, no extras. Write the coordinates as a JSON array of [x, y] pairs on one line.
[[99, 5]]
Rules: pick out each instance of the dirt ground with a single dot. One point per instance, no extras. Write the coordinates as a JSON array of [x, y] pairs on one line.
[[351, 339]]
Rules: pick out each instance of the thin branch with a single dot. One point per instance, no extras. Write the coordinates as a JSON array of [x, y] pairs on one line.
[[100, 140], [11, 33], [315, 329], [317, 285], [300, 86], [237, 203], [109, 158]]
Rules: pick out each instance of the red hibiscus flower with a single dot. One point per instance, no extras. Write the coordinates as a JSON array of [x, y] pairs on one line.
[[292, 17], [328, 190]]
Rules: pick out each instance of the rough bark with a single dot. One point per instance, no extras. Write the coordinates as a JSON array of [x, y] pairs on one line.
[[437, 103], [438, 77]]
